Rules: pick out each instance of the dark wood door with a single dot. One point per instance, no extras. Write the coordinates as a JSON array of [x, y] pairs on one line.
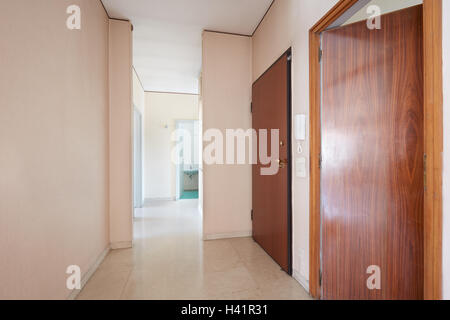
[[372, 158], [271, 193]]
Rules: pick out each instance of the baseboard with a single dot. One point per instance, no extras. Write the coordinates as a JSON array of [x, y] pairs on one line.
[[160, 199], [217, 236], [85, 278], [301, 279], [121, 245]]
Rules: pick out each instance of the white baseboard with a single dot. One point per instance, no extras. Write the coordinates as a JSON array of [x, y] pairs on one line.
[[121, 245], [85, 278], [301, 279], [160, 199], [217, 236]]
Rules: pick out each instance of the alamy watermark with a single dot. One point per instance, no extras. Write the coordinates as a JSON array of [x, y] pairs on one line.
[[374, 281], [374, 20], [73, 22], [239, 147], [74, 279]]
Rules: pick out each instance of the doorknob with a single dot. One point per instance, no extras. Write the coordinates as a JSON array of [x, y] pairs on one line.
[[282, 163]]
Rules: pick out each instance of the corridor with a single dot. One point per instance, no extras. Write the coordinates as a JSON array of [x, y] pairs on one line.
[[169, 260]]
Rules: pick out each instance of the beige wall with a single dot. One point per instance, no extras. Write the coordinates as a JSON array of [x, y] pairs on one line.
[[121, 117], [161, 110], [446, 177], [226, 97], [286, 25], [54, 145]]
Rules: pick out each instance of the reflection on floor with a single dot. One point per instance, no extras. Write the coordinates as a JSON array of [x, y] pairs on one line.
[[169, 260], [189, 195]]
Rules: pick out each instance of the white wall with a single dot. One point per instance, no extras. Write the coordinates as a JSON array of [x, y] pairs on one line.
[[226, 98], [191, 152], [287, 24], [161, 110], [446, 160]]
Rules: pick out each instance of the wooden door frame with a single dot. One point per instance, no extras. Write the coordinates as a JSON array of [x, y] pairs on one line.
[[433, 138]]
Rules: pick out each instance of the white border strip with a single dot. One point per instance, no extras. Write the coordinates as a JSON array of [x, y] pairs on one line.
[[217, 236], [85, 278]]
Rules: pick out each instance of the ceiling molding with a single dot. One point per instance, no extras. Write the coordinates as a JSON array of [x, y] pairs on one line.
[[104, 8], [139, 78], [262, 19], [229, 33]]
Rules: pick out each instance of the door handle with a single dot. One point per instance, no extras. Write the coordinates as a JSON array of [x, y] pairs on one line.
[[282, 163]]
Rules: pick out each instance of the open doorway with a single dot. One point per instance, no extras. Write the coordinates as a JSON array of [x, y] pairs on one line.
[[187, 172]]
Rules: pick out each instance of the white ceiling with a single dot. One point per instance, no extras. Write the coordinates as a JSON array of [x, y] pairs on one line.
[[167, 39]]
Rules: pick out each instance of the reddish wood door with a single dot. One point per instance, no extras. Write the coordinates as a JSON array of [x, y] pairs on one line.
[[372, 158], [271, 193]]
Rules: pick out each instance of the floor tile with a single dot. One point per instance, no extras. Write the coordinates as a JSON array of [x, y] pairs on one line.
[[169, 260]]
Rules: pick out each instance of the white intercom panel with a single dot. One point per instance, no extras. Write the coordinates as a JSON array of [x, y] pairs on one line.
[[300, 127]]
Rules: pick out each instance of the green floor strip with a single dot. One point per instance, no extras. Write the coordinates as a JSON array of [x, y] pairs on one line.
[[189, 195]]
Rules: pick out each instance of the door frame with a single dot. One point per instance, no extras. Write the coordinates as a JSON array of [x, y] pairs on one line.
[[137, 167], [433, 148], [288, 52]]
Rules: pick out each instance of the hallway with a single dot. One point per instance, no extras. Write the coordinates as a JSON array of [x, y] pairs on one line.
[[169, 260]]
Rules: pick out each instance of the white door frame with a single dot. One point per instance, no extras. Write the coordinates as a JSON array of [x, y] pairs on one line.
[[137, 159]]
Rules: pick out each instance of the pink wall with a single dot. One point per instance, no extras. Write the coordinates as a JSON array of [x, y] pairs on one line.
[[121, 140], [54, 145], [226, 97]]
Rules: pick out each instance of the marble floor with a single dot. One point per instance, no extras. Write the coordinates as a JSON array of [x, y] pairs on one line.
[[169, 260]]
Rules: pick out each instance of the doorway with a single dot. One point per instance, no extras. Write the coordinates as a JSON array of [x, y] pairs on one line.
[[187, 169], [271, 194], [374, 222]]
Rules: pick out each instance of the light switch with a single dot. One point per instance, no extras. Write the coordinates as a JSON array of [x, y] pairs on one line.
[[300, 164]]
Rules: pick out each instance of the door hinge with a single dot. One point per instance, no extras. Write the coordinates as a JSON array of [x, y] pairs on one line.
[[251, 215], [425, 172], [320, 161], [251, 107], [320, 54]]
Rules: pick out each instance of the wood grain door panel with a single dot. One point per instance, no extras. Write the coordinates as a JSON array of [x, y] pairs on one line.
[[372, 158], [270, 193]]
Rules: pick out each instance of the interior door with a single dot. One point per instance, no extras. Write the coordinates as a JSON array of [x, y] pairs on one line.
[[271, 193], [372, 159]]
